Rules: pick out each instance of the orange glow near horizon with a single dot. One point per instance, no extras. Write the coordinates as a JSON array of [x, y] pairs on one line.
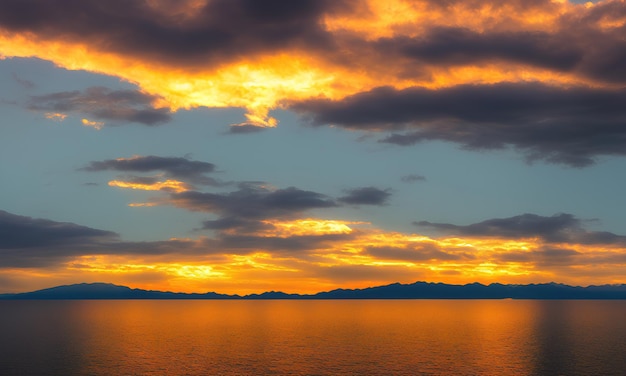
[[309, 226], [345, 263]]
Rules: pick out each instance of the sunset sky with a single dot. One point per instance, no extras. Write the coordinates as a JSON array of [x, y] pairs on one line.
[[243, 146]]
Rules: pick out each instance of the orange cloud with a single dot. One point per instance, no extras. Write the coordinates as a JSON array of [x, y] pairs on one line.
[[55, 116], [167, 185], [142, 204], [93, 124]]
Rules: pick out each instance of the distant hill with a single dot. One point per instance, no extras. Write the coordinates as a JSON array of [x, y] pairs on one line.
[[424, 290], [417, 290], [106, 291]]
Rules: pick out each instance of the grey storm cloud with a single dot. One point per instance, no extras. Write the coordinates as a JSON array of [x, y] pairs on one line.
[[104, 104], [220, 30], [173, 167], [570, 126], [554, 229], [366, 196]]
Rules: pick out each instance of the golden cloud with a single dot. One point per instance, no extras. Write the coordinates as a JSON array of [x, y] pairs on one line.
[[170, 185]]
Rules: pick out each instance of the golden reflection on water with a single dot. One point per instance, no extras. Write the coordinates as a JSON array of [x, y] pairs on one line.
[[364, 337]]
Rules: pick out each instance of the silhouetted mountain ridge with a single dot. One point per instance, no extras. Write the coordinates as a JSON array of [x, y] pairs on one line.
[[107, 291], [417, 290]]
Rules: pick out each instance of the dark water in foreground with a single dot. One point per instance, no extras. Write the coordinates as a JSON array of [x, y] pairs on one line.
[[418, 337]]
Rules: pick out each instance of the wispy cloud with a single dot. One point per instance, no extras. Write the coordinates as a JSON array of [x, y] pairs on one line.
[[559, 228], [412, 178], [26, 84], [118, 106], [172, 168]]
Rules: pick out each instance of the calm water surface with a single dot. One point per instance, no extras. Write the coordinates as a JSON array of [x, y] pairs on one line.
[[363, 337]]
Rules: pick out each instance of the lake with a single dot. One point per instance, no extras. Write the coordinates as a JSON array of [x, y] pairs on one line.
[[324, 337]]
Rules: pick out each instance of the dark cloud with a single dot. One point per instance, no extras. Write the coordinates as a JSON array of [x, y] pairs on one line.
[[571, 126], [578, 46], [252, 202], [412, 178], [451, 46], [104, 104], [24, 232], [159, 30], [173, 167], [366, 196], [555, 229], [31, 242], [605, 47], [241, 225]]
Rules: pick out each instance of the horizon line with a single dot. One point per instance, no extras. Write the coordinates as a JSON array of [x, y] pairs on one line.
[[235, 295]]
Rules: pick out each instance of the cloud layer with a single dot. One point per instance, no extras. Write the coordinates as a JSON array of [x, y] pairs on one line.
[[559, 228], [313, 253], [570, 126], [544, 77]]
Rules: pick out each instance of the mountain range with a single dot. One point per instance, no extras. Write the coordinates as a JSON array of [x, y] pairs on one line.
[[417, 290]]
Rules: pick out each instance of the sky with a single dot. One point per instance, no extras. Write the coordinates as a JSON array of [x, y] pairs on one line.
[[242, 146]]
